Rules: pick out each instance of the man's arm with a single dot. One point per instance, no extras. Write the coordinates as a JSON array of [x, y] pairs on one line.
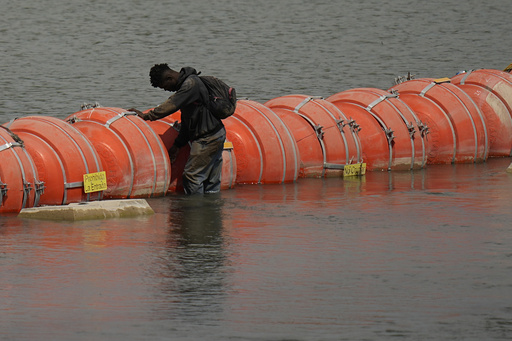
[[186, 95]]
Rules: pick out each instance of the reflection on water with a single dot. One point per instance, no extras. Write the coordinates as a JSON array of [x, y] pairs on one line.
[[418, 255], [191, 267]]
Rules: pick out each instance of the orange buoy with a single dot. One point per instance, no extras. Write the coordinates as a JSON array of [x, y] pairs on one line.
[[229, 167], [62, 156], [391, 134], [264, 148], [133, 155], [20, 186], [457, 128], [247, 149], [339, 146], [167, 128], [491, 91], [311, 160]]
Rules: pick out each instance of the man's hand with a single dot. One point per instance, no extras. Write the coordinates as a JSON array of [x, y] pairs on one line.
[[138, 112], [173, 153]]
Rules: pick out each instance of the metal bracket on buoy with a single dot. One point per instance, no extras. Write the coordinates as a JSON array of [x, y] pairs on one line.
[[341, 124], [85, 106], [39, 190], [355, 127], [73, 120], [319, 131], [423, 129], [389, 135], [3, 191], [411, 129], [27, 187]]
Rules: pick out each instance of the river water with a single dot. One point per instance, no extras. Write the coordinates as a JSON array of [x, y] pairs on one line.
[[423, 255]]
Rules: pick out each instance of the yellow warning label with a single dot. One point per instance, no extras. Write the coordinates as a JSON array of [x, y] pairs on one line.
[[228, 145], [95, 182], [354, 169], [442, 80]]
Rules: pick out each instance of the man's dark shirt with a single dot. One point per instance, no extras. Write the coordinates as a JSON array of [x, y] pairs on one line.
[[190, 99]]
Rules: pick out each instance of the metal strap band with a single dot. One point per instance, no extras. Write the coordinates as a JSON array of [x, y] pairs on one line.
[[333, 166], [74, 184], [463, 80], [10, 145], [304, 102], [121, 115], [316, 127], [10, 122], [427, 88], [380, 99]]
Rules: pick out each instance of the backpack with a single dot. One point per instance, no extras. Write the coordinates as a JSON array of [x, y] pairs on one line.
[[222, 97]]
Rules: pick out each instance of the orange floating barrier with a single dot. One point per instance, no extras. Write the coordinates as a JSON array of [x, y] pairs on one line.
[[20, 186], [392, 136], [167, 128], [339, 146], [264, 148], [491, 90], [247, 149], [229, 166], [311, 160], [457, 128], [133, 155], [62, 155]]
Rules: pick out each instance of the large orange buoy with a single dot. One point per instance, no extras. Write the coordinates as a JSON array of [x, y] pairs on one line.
[[392, 136], [491, 90], [339, 146], [62, 156], [133, 155], [167, 128], [229, 167], [311, 155], [249, 155], [264, 148], [20, 186], [457, 128]]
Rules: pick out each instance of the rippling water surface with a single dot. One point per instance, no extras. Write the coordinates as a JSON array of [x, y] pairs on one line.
[[417, 256]]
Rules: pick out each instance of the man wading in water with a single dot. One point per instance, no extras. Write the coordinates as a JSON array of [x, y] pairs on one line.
[[205, 132]]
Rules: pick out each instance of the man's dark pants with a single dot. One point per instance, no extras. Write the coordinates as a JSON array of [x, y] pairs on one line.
[[203, 169]]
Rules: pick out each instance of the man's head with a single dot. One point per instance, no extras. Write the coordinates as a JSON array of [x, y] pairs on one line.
[[161, 76]]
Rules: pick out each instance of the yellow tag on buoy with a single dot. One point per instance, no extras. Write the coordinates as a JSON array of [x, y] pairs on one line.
[[228, 145], [354, 169], [442, 80], [95, 182]]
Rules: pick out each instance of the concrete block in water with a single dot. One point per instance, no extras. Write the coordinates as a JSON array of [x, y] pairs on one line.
[[90, 210]]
